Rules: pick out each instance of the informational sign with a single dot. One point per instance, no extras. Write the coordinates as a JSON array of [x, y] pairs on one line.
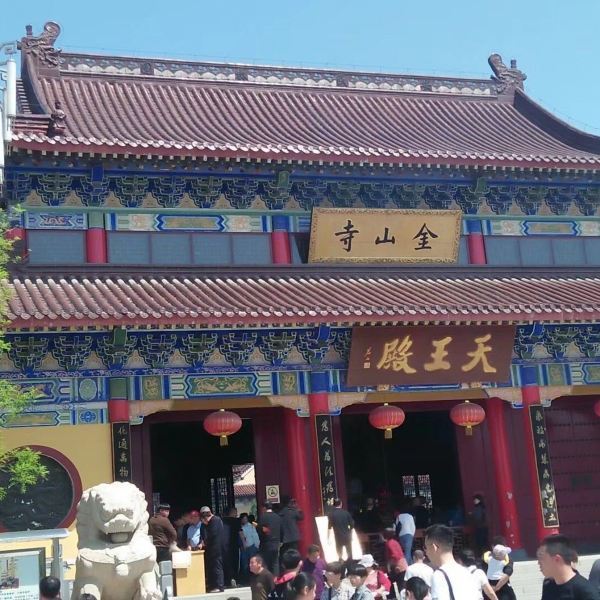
[[121, 437], [414, 355], [272, 494], [20, 573], [544, 470], [382, 235], [327, 473]]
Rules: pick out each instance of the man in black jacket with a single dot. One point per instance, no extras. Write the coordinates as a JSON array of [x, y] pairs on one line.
[[342, 523], [269, 530], [214, 545], [291, 515]]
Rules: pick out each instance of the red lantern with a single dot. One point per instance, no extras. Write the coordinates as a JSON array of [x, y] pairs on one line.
[[597, 408], [222, 423], [387, 417], [467, 415]]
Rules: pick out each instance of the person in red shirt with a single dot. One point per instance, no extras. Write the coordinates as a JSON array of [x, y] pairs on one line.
[[394, 555]]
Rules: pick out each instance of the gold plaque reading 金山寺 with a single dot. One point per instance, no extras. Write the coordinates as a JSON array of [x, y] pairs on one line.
[[384, 235]]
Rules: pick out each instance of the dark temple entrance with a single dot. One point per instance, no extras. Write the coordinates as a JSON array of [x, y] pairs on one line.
[[190, 469], [420, 460]]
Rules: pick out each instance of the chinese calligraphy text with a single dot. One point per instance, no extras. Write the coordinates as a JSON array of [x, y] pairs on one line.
[[544, 471], [121, 452], [327, 475], [430, 354], [384, 235]]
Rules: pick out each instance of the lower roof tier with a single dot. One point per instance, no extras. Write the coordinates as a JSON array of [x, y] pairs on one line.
[[251, 300]]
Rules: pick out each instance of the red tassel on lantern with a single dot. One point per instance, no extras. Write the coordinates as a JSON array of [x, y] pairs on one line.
[[387, 417], [467, 415], [597, 408], [222, 423]]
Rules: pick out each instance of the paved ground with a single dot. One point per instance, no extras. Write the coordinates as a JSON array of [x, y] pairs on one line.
[[527, 582]]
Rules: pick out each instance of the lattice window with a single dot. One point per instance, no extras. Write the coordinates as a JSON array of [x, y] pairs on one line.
[[219, 493], [425, 488], [408, 486]]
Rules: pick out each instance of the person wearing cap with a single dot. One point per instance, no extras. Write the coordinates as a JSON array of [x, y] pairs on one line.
[[164, 536], [377, 581], [214, 549]]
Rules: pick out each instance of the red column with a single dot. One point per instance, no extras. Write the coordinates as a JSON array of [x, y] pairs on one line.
[[95, 239], [118, 410], [280, 241], [300, 488], [118, 416], [509, 521], [530, 393], [95, 245], [476, 243]]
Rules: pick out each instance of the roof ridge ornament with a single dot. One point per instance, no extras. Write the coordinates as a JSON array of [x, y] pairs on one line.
[[508, 78], [56, 126], [41, 47]]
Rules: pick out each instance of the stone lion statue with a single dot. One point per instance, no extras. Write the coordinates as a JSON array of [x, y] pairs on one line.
[[116, 558]]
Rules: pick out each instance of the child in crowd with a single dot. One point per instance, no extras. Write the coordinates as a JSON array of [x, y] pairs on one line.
[[497, 560]]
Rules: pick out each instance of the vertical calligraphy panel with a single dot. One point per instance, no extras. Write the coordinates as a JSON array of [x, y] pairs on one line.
[[544, 469], [121, 436], [326, 452]]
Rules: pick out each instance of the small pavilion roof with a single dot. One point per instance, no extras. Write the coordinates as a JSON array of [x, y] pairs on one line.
[[271, 299], [83, 103]]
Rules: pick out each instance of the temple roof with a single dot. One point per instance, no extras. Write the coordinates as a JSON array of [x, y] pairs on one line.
[[131, 106], [252, 300]]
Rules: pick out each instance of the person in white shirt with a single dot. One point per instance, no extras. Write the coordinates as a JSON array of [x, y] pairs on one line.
[[405, 531], [467, 559], [419, 568], [450, 580]]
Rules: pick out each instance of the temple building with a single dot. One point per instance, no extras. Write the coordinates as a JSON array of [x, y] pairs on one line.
[[242, 282]]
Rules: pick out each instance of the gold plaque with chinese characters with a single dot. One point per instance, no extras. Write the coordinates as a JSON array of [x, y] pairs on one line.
[[429, 355], [384, 235]]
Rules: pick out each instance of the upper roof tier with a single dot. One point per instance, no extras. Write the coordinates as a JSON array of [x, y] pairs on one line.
[[106, 104]]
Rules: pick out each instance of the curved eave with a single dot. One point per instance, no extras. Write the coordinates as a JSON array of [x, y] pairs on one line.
[[263, 301], [517, 317], [544, 119], [61, 146]]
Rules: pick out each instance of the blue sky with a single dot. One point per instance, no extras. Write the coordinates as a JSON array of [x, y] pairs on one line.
[[556, 42]]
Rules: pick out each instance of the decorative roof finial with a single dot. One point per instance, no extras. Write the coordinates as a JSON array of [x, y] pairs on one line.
[[56, 126], [42, 47], [508, 78]]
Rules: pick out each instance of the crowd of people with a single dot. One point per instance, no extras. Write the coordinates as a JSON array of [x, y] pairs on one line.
[[265, 554], [436, 574]]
